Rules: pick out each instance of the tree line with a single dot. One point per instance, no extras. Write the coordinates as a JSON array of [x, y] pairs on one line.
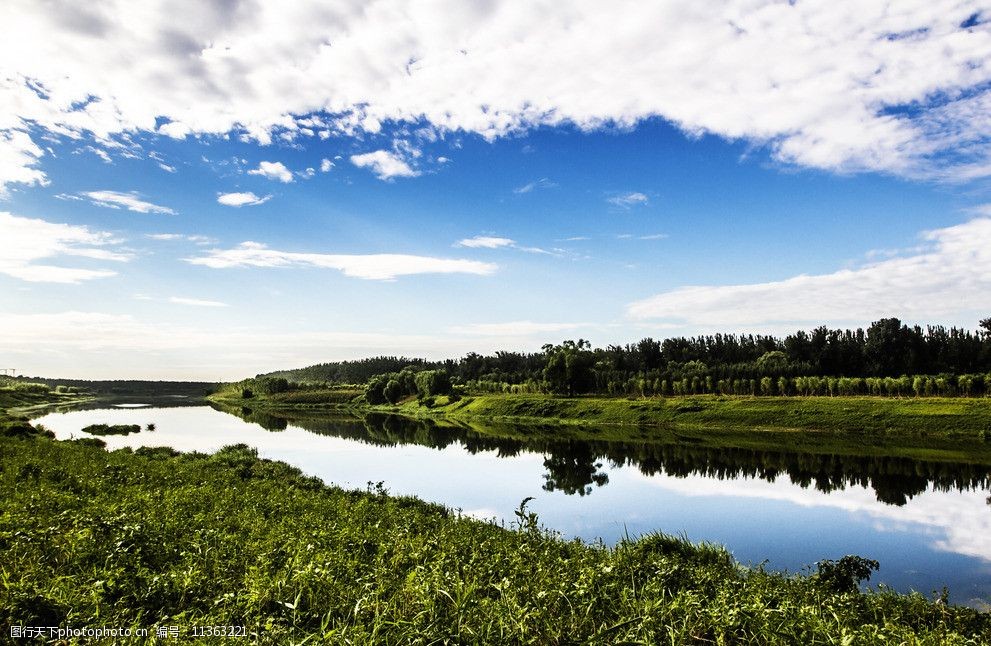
[[887, 358]]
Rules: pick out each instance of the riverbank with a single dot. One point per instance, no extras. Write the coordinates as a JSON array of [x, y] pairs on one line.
[[946, 418], [24, 402], [152, 537]]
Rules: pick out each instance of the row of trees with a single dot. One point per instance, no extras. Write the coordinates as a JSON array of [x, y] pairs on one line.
[[975, 385], [934, 360]]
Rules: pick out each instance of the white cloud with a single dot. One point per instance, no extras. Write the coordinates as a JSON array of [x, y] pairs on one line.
[[949, 277], [166, 167], [179, 300], [543, 182], [241, 199], [99, 152], [19, 157], [386, 165], [626, 200], [486, 242], [131, 201], [172, 237], [540, 250], [838, 85], [654, 236], [23, 241], [513, 328], [274, 171], [491, 242], [368, 266], [326, 165]]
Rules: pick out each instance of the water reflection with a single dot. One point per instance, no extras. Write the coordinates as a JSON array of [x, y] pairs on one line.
[[576, 466]]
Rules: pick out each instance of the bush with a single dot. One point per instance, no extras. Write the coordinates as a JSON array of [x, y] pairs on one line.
[[846, 574], [115, 429]]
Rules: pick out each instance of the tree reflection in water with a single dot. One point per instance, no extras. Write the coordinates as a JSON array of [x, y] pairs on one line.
[[573, 469], [575, 466]]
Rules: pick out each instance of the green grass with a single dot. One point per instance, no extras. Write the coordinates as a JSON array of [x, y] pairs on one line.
[[934, 417], [17, 398], [90, 538]]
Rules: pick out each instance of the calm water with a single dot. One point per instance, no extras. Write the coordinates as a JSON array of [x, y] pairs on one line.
[[928, 523]]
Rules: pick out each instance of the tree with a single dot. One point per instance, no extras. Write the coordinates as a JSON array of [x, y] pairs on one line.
[[772, 363], [650, 354], [569, 367], [375, 390], [392, 392], [886, 349], [430, 383]]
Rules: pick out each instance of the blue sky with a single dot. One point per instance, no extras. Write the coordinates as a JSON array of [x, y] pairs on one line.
[[266, 188]]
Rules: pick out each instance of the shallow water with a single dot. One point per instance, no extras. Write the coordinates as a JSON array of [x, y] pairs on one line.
[[928, 523]]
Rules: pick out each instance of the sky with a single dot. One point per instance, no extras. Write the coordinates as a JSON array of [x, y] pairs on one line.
[[215, 190]]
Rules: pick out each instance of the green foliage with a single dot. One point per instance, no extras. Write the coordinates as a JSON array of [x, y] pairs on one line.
[[431, 383], [114, 429], [847, 573], [149, 537], [569, 367], [19, 427], [375, 390], [392, 391], [772, 363], [271, 385]]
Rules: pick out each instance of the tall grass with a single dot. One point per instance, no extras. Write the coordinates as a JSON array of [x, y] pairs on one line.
[[89, 537]]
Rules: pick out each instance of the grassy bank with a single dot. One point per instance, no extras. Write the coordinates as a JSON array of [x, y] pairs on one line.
[[19, 398], [951, 418], [151, 538], [936, 417]]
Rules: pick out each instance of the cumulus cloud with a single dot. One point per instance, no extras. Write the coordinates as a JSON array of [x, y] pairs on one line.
[[274, 171], [368, 266], [626, 200], [196, 302], [386, 165], [835, 85], [24, 241], [131, 201], [486, 242], [950, 276], [326, 165], [241, 199]]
